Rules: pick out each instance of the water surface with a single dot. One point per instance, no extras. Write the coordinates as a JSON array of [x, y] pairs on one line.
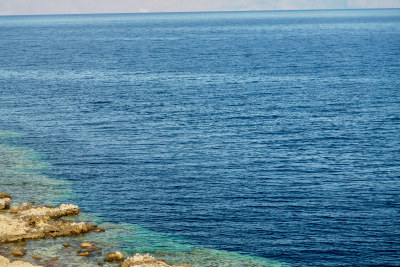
[[272, 134]]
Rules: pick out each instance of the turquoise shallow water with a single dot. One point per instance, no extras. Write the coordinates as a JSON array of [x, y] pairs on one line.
[[270, 134], [21, 174]]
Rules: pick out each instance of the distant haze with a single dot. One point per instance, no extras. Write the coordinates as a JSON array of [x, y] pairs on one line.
[[22, 7]]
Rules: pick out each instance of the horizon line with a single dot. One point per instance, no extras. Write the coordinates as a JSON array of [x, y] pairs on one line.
[[205, 11]]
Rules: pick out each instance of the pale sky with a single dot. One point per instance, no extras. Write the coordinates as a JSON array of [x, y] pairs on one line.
[[23, 7]]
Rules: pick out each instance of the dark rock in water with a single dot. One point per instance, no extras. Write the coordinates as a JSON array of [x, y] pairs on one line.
[[18, 252], [87, 246], [86, 253]]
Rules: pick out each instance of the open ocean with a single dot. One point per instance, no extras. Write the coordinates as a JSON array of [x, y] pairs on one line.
[[275, 135]]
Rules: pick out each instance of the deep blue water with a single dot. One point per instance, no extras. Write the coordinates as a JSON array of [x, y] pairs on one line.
[[273, 134]]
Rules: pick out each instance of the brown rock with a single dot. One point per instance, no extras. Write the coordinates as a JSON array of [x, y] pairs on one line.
[[86, 253], [4, 203], [117, 256], [5, 200], [5, 195], [86, 245], [36, 257], [66, 245], [99, 230], [68, 229], [18, 252]]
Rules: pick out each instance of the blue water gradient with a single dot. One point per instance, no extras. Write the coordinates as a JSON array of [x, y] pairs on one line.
[[21, 175], [273, 134]]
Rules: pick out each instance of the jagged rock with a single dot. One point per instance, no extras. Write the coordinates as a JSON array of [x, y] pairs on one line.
[[68, 229], [28, 222], [140, 260], [117, 256]]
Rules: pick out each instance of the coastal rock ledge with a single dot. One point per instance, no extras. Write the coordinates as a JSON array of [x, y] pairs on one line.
[[33, 222], [29, 222]]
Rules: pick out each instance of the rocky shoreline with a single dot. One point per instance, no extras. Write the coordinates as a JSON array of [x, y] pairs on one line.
[[19, 224]]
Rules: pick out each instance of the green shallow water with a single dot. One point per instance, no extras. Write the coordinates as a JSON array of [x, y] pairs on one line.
[[21, 175]]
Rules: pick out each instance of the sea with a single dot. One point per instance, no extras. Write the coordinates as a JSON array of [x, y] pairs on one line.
[[216, 138]]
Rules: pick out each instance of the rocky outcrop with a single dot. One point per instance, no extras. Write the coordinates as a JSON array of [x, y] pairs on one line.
[[5, 200], [117, 256], [140, 260], [26, 209], [4, 262], [29, 222]]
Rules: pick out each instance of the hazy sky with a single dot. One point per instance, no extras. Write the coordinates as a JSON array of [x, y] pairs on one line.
[[12, 7]]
